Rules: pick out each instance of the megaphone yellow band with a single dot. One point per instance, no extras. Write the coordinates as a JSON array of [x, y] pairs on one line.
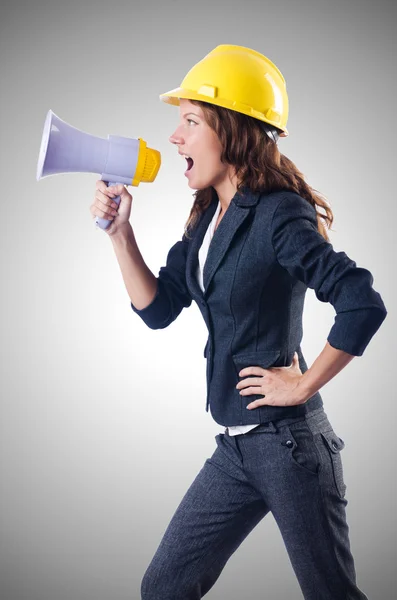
[[140, 165]]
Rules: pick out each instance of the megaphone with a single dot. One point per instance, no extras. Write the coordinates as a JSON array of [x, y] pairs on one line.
[[66, 149]]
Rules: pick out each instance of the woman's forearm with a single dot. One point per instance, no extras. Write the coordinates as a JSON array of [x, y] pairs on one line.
[[139, 281], [328, 364]]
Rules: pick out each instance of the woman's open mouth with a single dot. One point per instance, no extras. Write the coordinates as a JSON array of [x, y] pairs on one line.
[[189, 165]]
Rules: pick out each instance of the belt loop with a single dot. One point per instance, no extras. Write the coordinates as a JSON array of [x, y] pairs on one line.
[[267, 427]]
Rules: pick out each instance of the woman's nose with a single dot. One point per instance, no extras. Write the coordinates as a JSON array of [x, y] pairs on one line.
[[176, 138]]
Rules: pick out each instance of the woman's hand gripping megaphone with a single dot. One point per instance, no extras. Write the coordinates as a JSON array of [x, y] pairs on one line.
[[111, 206]]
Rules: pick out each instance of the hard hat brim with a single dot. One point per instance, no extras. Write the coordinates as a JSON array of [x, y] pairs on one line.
[[173, 96]]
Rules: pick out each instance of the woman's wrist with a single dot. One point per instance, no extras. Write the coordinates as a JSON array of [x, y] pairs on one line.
[[328, 364], [122, 233], [302, 391]]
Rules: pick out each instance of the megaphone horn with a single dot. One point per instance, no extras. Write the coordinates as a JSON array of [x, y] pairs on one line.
[[66, 149]]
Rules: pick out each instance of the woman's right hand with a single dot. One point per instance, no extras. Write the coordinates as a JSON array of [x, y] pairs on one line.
[[104, 207]]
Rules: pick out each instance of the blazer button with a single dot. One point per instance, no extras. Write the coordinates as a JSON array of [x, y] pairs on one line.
[[334, 445], [289, 443]]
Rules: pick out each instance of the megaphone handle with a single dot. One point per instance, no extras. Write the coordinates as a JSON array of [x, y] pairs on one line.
[[104, 223]]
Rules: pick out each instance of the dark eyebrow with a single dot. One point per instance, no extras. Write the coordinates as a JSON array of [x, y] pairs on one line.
[[192, 113]]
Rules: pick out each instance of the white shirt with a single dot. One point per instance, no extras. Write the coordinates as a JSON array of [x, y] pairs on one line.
[[202, 258]]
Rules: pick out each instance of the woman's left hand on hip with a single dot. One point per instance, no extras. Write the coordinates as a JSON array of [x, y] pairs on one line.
[[279, 385]]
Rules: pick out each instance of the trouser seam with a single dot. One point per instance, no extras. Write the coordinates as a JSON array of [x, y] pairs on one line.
[[324, 506]]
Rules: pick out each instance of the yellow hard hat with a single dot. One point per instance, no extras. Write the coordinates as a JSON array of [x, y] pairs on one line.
[[240, 79]]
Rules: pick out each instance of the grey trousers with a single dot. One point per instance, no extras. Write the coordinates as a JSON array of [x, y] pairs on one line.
[[291, 467]]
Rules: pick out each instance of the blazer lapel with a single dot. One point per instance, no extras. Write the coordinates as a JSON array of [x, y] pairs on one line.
[[235, 215]]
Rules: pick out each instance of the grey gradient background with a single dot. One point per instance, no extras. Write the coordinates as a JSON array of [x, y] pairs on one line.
[[95, 451]]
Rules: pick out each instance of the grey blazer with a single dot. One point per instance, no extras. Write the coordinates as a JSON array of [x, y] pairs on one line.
[[265, 253]]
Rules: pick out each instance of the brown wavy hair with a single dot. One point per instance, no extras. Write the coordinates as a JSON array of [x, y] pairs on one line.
[[258, 163]]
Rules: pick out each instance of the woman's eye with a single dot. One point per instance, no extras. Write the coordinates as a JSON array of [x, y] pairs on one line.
[[191, 121]]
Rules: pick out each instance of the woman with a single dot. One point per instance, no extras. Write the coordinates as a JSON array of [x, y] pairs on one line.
[[253, 243]]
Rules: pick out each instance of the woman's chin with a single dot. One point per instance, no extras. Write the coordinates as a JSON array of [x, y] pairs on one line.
[[191, 182], [196, 184]]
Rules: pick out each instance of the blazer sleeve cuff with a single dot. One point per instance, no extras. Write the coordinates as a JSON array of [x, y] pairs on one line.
[[343, 334], [156, 314]]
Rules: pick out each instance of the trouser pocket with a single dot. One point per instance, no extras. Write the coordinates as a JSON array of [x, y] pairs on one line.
[[301, 448], [333, 446]]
